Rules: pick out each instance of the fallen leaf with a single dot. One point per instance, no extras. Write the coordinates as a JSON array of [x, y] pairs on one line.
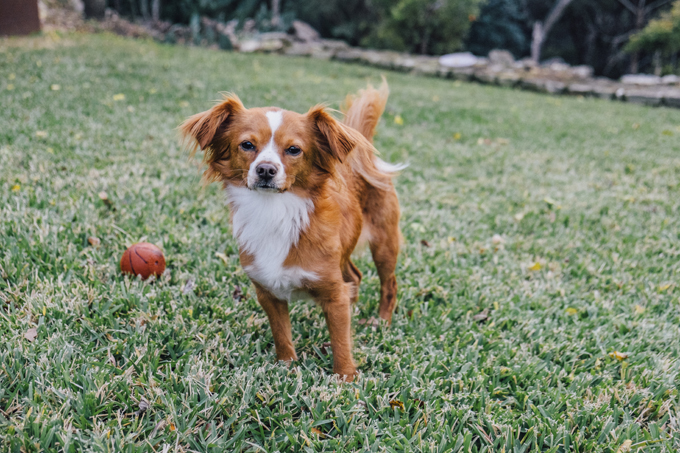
[[119, 97], [55, 87], [372, 321], [172, 427], [16, 188], [94, 241], [324, 348], [571, 311], [143, 407], [425, 243], [223, 257], [397, 403], [457, 136], [318, 432], [188, 287], [625, 446], [639, 310], [451, 239], [618, 355], [536, 266], [41, 134], [497, 239], [31, 334], [237, 294], [482, 316], [663, 288], [399, 120], [519, 216], [103, 196]]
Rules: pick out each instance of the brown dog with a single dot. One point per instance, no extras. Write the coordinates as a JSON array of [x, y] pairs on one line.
[[302, 190]]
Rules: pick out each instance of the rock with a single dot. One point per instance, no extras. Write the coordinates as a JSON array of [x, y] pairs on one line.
[[581, 89], [458, 60], [641, 79], [349, 55], [508, 79], [249, 46], [670, 80], [644, 97], [334, 44], [302, 49], [582, 72], [271, 45], [671, 97], [304, 32], [501, 58]]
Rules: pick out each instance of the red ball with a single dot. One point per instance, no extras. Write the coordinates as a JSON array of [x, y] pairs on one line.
[[143, 259]]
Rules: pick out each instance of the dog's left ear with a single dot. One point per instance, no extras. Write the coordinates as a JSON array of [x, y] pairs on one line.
[[203, 128], [333, 140]]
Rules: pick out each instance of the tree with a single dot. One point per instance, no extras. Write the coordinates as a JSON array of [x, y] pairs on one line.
[[423, 26], [660, 36], [642, 12], [502, 24], [541, 29]]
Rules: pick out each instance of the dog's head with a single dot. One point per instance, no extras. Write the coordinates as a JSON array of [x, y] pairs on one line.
[[268, 149]]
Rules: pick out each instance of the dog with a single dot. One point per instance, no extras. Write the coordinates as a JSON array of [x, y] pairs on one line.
[[302, 190]]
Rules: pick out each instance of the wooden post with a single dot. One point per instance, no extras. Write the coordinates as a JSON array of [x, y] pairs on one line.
[[19, 17]]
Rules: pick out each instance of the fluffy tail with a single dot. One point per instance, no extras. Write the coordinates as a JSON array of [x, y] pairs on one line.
[[362, 113]]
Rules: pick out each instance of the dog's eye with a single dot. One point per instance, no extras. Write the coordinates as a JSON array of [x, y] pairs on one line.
[[293, 150], [247, 146]]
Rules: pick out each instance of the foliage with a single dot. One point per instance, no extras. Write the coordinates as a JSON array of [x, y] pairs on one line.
[[660, 34], [502, 24], [558, 335], [422, 26]]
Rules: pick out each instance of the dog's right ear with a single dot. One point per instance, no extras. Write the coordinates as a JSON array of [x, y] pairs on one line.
[[203, 129]]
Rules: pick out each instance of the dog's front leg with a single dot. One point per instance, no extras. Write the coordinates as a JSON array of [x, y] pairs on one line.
[[279, 320], [336, 308]]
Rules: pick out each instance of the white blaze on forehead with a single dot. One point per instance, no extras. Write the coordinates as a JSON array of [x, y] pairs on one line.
[[269, 153]]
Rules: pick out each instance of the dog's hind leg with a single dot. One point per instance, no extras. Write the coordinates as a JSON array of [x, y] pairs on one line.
[[382, 217]]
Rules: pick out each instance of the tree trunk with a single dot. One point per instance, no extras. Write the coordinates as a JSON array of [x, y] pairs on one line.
[[537, 38], [144, 7], [276, 14], [541, 29], [156, 10], [95, 9]]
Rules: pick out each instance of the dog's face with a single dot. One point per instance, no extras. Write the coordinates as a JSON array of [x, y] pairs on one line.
[[269, 149]]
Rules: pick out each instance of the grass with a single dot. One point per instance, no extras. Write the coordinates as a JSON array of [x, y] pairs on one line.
[[559, 334]]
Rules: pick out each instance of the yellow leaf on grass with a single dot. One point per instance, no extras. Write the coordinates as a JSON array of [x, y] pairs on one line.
[[535, 267], [44, 311], [119, 97], [397, 403], [317, 431], [399, 120], [663, 288], [223, 257], [457, 136], [639, 309], [571, 311], [41, 134], [618, 355], [55, 87], [625, 446], [16, 188]]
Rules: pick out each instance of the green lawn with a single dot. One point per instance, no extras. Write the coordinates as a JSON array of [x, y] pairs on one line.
[[559, 334]]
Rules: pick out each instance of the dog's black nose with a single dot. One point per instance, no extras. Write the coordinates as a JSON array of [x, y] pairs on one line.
[[266, 171]]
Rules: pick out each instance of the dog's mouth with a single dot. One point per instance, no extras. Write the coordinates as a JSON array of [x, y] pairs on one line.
[[266, 186]]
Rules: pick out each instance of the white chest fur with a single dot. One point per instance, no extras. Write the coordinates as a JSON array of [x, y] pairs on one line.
[[266, 226]]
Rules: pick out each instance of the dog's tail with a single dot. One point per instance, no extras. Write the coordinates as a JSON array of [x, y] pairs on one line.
[[362, 113]]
